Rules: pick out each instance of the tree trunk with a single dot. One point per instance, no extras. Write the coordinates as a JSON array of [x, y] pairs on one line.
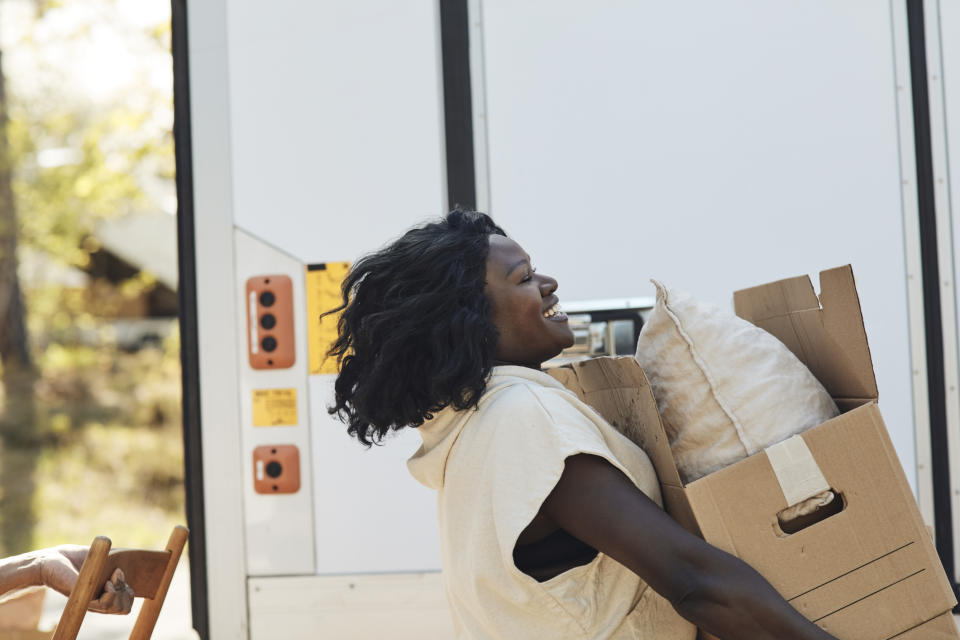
[[19, 448], [13, 330]]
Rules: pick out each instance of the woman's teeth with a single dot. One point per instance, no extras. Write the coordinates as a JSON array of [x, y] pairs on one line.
[[554, 313]]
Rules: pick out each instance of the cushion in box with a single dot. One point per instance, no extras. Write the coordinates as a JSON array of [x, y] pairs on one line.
[[725, 388]]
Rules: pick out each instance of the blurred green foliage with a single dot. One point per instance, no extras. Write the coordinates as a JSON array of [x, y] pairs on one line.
[[105, 451], [60, 205], [112, 458]]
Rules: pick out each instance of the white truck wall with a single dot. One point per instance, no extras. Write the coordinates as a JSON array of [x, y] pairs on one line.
[[711, 145], [279, 527], [219, 362], [950, 60], [947, 182], [336, 129], [336, 122]]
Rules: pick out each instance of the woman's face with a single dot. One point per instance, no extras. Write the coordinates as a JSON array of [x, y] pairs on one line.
[[523, 301]]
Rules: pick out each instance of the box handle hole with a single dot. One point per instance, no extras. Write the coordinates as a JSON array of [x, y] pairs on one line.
[[790, 522]]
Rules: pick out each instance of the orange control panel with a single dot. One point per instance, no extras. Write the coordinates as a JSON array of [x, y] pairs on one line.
[[270, 343], [276, 468]]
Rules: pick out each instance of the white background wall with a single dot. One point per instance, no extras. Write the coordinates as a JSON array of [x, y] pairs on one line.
[[337, 121], [946, 87], [950, 43], [336, 127], [712, 145]]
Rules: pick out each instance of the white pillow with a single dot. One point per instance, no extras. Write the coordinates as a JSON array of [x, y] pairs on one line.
[[725, 388]]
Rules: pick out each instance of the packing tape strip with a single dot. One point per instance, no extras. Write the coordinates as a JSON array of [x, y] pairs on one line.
[[796, 470]]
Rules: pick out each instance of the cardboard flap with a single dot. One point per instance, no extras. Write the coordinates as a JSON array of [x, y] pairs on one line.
[[617, 389], [827, 335]]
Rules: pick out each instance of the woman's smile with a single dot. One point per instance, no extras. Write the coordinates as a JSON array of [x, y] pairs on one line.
[[555, 314]]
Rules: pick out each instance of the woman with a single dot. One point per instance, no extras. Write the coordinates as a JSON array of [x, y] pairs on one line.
[[550, 520]]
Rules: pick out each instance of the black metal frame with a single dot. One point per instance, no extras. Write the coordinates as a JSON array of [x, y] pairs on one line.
[[937, 401], [457, 104], [189, 350]]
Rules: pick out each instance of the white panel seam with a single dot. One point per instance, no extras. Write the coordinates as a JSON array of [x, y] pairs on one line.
[[911, 235], [478, 91], [948, 300]]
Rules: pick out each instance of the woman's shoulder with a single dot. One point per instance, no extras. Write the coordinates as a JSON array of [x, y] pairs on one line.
[[526, 411], [529, 394]]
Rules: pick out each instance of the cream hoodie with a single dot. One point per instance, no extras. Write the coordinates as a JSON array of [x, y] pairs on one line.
[[492, 469]]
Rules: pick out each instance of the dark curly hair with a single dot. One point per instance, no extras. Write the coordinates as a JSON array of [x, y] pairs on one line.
[[416, 333]]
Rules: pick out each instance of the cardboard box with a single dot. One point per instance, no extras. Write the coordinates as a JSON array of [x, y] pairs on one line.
[[869, 571], [943, 627]]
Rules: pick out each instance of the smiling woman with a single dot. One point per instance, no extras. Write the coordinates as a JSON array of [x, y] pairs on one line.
[[550, 520], [532, 329]]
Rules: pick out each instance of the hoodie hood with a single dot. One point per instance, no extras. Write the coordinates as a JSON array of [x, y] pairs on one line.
[[440, 433]]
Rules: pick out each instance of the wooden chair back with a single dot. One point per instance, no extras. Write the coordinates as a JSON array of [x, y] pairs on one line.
[[148, 573]]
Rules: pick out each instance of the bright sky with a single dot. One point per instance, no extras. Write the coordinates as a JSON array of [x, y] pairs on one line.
[[92, 54], [112, 57]]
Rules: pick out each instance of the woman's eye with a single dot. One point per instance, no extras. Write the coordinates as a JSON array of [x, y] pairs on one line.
[[529, 275]]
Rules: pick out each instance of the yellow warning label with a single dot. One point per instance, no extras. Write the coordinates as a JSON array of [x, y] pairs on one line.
[[323, 294], [274, 407]]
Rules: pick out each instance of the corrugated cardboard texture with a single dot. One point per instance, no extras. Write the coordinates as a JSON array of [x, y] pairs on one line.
[[618, 390], [943, 627], [870, 569], [826, 334]]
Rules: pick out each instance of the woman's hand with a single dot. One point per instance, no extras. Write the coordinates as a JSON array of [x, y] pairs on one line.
[[60, 567]]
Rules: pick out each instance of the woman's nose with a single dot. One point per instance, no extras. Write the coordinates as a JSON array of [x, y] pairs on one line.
[[548, 286]]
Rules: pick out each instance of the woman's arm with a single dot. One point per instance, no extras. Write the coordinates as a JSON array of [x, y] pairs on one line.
[[595, 502], [58, 568]]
